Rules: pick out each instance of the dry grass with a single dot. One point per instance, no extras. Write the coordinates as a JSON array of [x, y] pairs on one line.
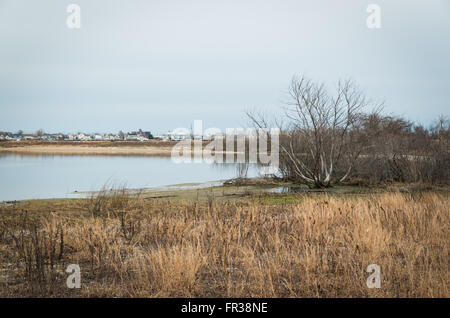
[[319, 246], [158, 148]]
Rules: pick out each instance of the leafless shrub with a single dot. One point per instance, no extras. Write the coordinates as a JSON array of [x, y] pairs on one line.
[[107, 200], [130, 226], [39, 250], [403, 152]]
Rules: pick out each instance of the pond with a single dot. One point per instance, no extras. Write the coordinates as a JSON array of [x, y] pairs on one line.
[[25, 177]]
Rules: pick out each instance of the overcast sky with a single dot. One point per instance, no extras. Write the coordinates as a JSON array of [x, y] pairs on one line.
[[160, 64]]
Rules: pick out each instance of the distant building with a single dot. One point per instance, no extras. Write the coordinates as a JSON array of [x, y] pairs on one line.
[[136, 138], [146, 134], [177, 135], [97, 137], [30, 136]]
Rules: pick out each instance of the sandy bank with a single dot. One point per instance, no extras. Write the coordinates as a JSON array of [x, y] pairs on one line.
[[163, 149], [83, 150]]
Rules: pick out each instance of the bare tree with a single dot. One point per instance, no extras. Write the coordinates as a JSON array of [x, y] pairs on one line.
[[321, 142], [326, 127]]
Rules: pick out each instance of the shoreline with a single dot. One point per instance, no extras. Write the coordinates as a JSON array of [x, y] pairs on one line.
[[93, 148], [232, 190], [170, 190], [87, 151], [152, 148]]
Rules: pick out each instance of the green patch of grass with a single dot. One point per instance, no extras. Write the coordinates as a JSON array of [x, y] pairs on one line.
[[48, 201], [218, 193]]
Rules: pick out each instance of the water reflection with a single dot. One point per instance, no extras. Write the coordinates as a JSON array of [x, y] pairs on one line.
[[290, 189]]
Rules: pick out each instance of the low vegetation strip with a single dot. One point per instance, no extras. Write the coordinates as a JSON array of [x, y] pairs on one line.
[[152, 148], [316, 246], [91, 148]]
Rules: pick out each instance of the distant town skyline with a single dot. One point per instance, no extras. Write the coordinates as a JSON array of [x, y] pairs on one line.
[[163, 64], [137, 135], [24, 131]]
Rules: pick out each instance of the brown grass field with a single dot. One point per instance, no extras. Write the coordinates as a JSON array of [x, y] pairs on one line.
[[135, 148], [152, 148], [308, 246]]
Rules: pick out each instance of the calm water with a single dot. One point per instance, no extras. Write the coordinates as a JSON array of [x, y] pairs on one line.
[[48, 176]]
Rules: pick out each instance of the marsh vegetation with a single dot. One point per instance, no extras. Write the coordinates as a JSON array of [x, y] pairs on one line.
[[265, 245]]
